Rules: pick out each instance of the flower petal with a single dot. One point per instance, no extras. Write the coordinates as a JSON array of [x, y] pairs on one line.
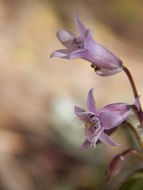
[[112, 120], [77, 54], [120, 108], [78, 110], [113, 115], [66, 38], [86, 144], [104, 61], [88, 38], [91, 102], [107, 140], [82, 114], [96, 137], [81, 28], [63, 53], [107, 72], [92, 134]]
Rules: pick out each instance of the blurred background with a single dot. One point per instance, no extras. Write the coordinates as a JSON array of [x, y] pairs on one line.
[[40, 136]]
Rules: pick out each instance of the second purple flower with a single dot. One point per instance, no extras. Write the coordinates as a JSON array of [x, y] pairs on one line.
[[99, 121]]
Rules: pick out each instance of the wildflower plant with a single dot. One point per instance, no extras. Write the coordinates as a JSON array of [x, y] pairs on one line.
[[100, 123]]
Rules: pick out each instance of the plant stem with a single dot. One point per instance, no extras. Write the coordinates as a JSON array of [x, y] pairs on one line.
[[138, 136], [132, 151], [116, 163], [135, 92]]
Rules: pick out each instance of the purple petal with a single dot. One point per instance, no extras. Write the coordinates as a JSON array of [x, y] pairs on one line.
[[107, 140], [77, 54], [88, 38], [66, 38], [105, 61], [81, 28], [97, 135], [113, 115], [86, 144], [92, 134], [78, 110], [107, 72], [120, 108], [112, 120], [63, 53], [82, 114], [91, 102]]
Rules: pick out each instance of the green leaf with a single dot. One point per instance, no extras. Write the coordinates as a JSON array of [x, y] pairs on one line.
[[134, 182]]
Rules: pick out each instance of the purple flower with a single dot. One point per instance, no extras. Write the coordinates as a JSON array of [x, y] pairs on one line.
[[83, 46], [99, 121]]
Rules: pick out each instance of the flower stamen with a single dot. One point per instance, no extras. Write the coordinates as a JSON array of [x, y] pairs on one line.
[[77, 43]]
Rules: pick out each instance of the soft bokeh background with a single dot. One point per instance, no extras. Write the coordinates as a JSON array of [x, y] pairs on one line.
[[40, 136]]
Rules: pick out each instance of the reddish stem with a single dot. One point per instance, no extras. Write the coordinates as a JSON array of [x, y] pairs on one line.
[[135, 92]]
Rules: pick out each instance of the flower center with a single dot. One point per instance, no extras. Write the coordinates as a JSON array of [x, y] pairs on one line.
[[78, 43], [94, 122]]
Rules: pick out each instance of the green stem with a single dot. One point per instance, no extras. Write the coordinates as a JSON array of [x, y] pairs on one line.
[[136, 132]]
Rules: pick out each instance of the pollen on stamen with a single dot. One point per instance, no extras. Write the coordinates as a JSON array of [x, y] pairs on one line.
[[88, 125]]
